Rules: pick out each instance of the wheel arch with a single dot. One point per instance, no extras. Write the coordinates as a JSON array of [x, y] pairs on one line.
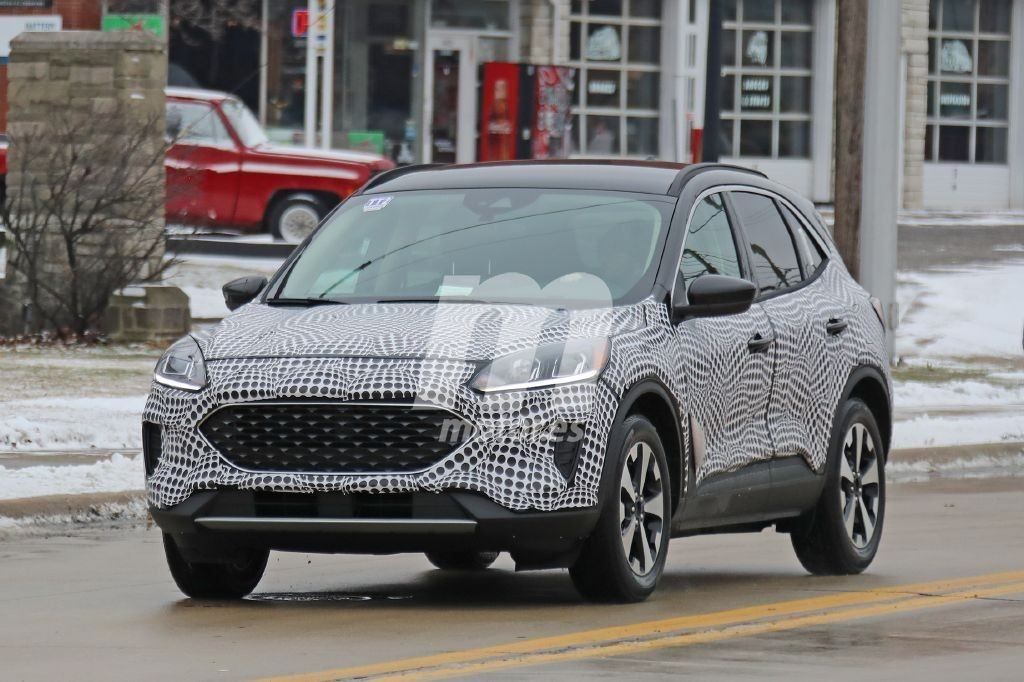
[[868, 383], [650, 398]]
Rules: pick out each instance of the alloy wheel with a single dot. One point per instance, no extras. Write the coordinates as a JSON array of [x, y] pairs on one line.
[[298, 222], [642, 509], [859, 481]]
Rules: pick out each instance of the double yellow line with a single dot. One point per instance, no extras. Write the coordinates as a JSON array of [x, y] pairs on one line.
[[684, 630]]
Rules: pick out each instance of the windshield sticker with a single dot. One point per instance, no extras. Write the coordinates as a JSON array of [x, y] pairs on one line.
[[376, 204]]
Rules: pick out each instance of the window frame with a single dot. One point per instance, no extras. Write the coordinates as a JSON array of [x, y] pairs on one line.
[[582, 110], [774, 72], [737, 241], [934, 120]]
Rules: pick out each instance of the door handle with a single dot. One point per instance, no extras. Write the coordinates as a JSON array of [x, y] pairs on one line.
[[758, 343], [836, 326]]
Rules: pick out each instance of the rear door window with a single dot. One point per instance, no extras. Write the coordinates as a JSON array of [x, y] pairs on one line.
[[775, 264], [810, 253]]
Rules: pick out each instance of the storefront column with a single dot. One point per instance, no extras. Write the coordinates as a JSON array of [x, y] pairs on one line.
[[1015, 153], [823, 93]]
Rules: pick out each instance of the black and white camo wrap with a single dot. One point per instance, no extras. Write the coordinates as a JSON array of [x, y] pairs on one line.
[[388, 352]]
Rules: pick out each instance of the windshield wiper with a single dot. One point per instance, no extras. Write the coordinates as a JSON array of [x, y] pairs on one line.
[[307, 302]]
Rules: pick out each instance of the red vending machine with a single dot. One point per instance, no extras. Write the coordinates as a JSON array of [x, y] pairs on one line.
[[524, 111]]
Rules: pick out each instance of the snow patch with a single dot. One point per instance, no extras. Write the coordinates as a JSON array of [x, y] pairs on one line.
[[962, 312], [114, 475], [927, 431], [71, 423]]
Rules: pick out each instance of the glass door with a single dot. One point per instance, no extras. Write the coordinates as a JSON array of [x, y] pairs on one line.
[[450, 106]]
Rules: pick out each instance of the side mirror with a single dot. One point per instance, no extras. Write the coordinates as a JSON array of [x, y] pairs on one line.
[[713, 296], [240, 291]]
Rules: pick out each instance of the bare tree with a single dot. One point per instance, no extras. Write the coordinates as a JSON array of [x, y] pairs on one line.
[[215, 17], [84, 213]]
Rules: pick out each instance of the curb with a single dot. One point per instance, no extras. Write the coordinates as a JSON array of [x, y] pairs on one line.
[[99, 505]]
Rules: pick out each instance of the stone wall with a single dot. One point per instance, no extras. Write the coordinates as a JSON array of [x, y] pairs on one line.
[[915, 46], [92, 103]]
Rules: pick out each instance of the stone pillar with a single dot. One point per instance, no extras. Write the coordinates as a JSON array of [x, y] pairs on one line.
[[544, 31], [86, 112], [915, 47]]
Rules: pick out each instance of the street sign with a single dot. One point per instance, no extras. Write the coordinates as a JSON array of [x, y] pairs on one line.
[[12, 26], [143, 23]]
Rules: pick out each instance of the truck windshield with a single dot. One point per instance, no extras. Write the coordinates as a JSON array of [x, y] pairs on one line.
[[534, 246], [244, 123]]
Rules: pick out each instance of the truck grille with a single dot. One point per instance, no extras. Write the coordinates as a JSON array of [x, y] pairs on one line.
[[340, 438]]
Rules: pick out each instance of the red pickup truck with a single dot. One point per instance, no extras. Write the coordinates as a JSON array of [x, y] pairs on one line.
[[223, 172]]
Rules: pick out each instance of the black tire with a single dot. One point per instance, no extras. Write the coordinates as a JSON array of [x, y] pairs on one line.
[[215, 580], [462, 560], [603, 571], [283, 208], [822, 542]]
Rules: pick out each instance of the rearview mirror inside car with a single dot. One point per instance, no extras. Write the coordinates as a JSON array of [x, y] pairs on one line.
[[240, 291], [712, 296]]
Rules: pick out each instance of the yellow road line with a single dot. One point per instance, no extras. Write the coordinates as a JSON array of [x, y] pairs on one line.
[[733, 632], [731, 623]]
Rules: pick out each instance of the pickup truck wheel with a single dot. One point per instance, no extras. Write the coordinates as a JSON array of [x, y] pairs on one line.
[[294, 218]]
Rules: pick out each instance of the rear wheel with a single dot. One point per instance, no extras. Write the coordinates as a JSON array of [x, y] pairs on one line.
[[625, 555], [294, 218], [462, 560], [201, 580], [842, 535]]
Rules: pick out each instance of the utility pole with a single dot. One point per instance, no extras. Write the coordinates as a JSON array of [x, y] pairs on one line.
[[851, 53], [711, 142], [880, 177]]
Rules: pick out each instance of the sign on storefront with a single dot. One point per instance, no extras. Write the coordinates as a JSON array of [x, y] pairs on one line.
[[11, 27], [147, 23], [26, 4]]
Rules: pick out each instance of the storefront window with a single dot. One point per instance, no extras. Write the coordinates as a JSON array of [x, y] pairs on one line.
[[968, 81], [616, 45], [487, 15], [286, 73], [766, 87]]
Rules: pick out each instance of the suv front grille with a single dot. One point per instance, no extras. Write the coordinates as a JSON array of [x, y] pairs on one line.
[[339, 438]]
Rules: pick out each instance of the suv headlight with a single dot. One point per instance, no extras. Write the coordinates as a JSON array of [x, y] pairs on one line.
[[182, 366], [549, 365]]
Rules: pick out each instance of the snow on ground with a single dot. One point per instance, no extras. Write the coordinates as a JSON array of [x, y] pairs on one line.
[[946, 430], [117, 474], [962, 312], [67, 423], [964, 393]]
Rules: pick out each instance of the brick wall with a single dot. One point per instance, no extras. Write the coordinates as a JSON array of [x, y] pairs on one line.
[[76, 14], [915, 46]]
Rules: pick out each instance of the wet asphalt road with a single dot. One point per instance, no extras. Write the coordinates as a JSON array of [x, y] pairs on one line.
[[100, 605]]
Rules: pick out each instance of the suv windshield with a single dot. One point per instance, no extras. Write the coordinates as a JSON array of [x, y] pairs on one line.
[[540, 246], [244, 123]]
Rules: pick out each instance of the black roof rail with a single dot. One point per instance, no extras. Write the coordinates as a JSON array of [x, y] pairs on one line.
[[397, 173], [695, 169]]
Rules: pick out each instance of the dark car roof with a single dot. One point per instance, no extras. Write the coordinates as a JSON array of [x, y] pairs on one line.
[[646, 177]]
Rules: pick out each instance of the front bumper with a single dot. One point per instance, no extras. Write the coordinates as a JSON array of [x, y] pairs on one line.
[[503, 461], [214, 525]]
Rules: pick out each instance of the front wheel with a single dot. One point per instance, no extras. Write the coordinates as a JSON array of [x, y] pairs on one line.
[[842, 534], [201, 580], [294, 218], [625, 555]]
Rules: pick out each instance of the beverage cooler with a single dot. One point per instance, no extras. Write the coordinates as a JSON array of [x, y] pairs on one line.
[[524, 111]]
